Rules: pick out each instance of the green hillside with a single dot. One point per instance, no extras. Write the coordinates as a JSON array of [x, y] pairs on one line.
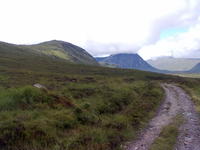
[[82, 107], [63, 50], [174, 64]]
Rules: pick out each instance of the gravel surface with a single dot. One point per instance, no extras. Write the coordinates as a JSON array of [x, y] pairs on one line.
[[176, 101], [189, 138]]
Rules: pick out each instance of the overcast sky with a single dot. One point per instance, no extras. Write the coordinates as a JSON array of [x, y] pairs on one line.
[[151, 28]]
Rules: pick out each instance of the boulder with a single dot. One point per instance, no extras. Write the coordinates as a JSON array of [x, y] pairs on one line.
[[40, 86]]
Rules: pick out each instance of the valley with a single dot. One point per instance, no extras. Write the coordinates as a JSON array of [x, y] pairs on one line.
[[84, 105], [174, 64], [100, 75]]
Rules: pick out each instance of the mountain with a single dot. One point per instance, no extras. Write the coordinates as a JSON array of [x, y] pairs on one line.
[[129, 61], [64, 50], [45, 54], [195, 69], [100, 59], [13, 56], [174, 64]]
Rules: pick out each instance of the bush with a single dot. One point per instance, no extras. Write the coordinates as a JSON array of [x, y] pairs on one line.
[[85, 117], [116, 101], [17, 134]]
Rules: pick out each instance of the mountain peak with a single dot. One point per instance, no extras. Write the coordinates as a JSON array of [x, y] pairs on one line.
[[129, 61], [63, 50], [195, 69], [125, 54], [54, 42]]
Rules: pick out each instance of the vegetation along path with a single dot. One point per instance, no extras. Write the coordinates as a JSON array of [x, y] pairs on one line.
[[176, 101]]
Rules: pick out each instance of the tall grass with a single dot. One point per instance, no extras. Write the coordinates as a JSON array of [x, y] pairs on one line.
[[85, 107], [97, 115]]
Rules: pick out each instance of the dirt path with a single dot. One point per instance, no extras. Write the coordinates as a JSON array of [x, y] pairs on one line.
[[189, 138], [176, 101]]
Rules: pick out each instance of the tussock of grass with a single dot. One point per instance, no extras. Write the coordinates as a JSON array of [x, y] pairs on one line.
[[22, 98], [168, 137]]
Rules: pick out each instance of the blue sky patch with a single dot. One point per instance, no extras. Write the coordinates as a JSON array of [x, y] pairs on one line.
[[172, 32]]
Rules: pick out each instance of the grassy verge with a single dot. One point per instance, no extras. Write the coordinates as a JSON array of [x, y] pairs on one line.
[[168, 137], [195, 94]]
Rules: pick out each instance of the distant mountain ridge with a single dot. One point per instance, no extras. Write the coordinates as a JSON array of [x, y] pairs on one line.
[[128, 61], [174, 64], [60, 52], [195, 69]]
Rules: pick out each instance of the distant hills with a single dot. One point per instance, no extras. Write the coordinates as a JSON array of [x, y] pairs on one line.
[[195, 69], [128, 61], [55, 53], [174, 64], [167, 65]]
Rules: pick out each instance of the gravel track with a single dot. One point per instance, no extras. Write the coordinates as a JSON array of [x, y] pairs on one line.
[[176, 101]]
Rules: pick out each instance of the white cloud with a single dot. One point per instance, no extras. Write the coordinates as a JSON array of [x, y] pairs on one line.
[[100, 26], [183, 45]]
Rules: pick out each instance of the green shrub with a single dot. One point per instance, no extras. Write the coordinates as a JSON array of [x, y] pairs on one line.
[[116, 101], [85, 117], [22, 98], [16, 134]]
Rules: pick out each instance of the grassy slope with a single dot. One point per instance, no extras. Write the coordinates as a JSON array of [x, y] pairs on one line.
[[191, 83], [84, 107], [76, 113], [189, 75], [64, 50]]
